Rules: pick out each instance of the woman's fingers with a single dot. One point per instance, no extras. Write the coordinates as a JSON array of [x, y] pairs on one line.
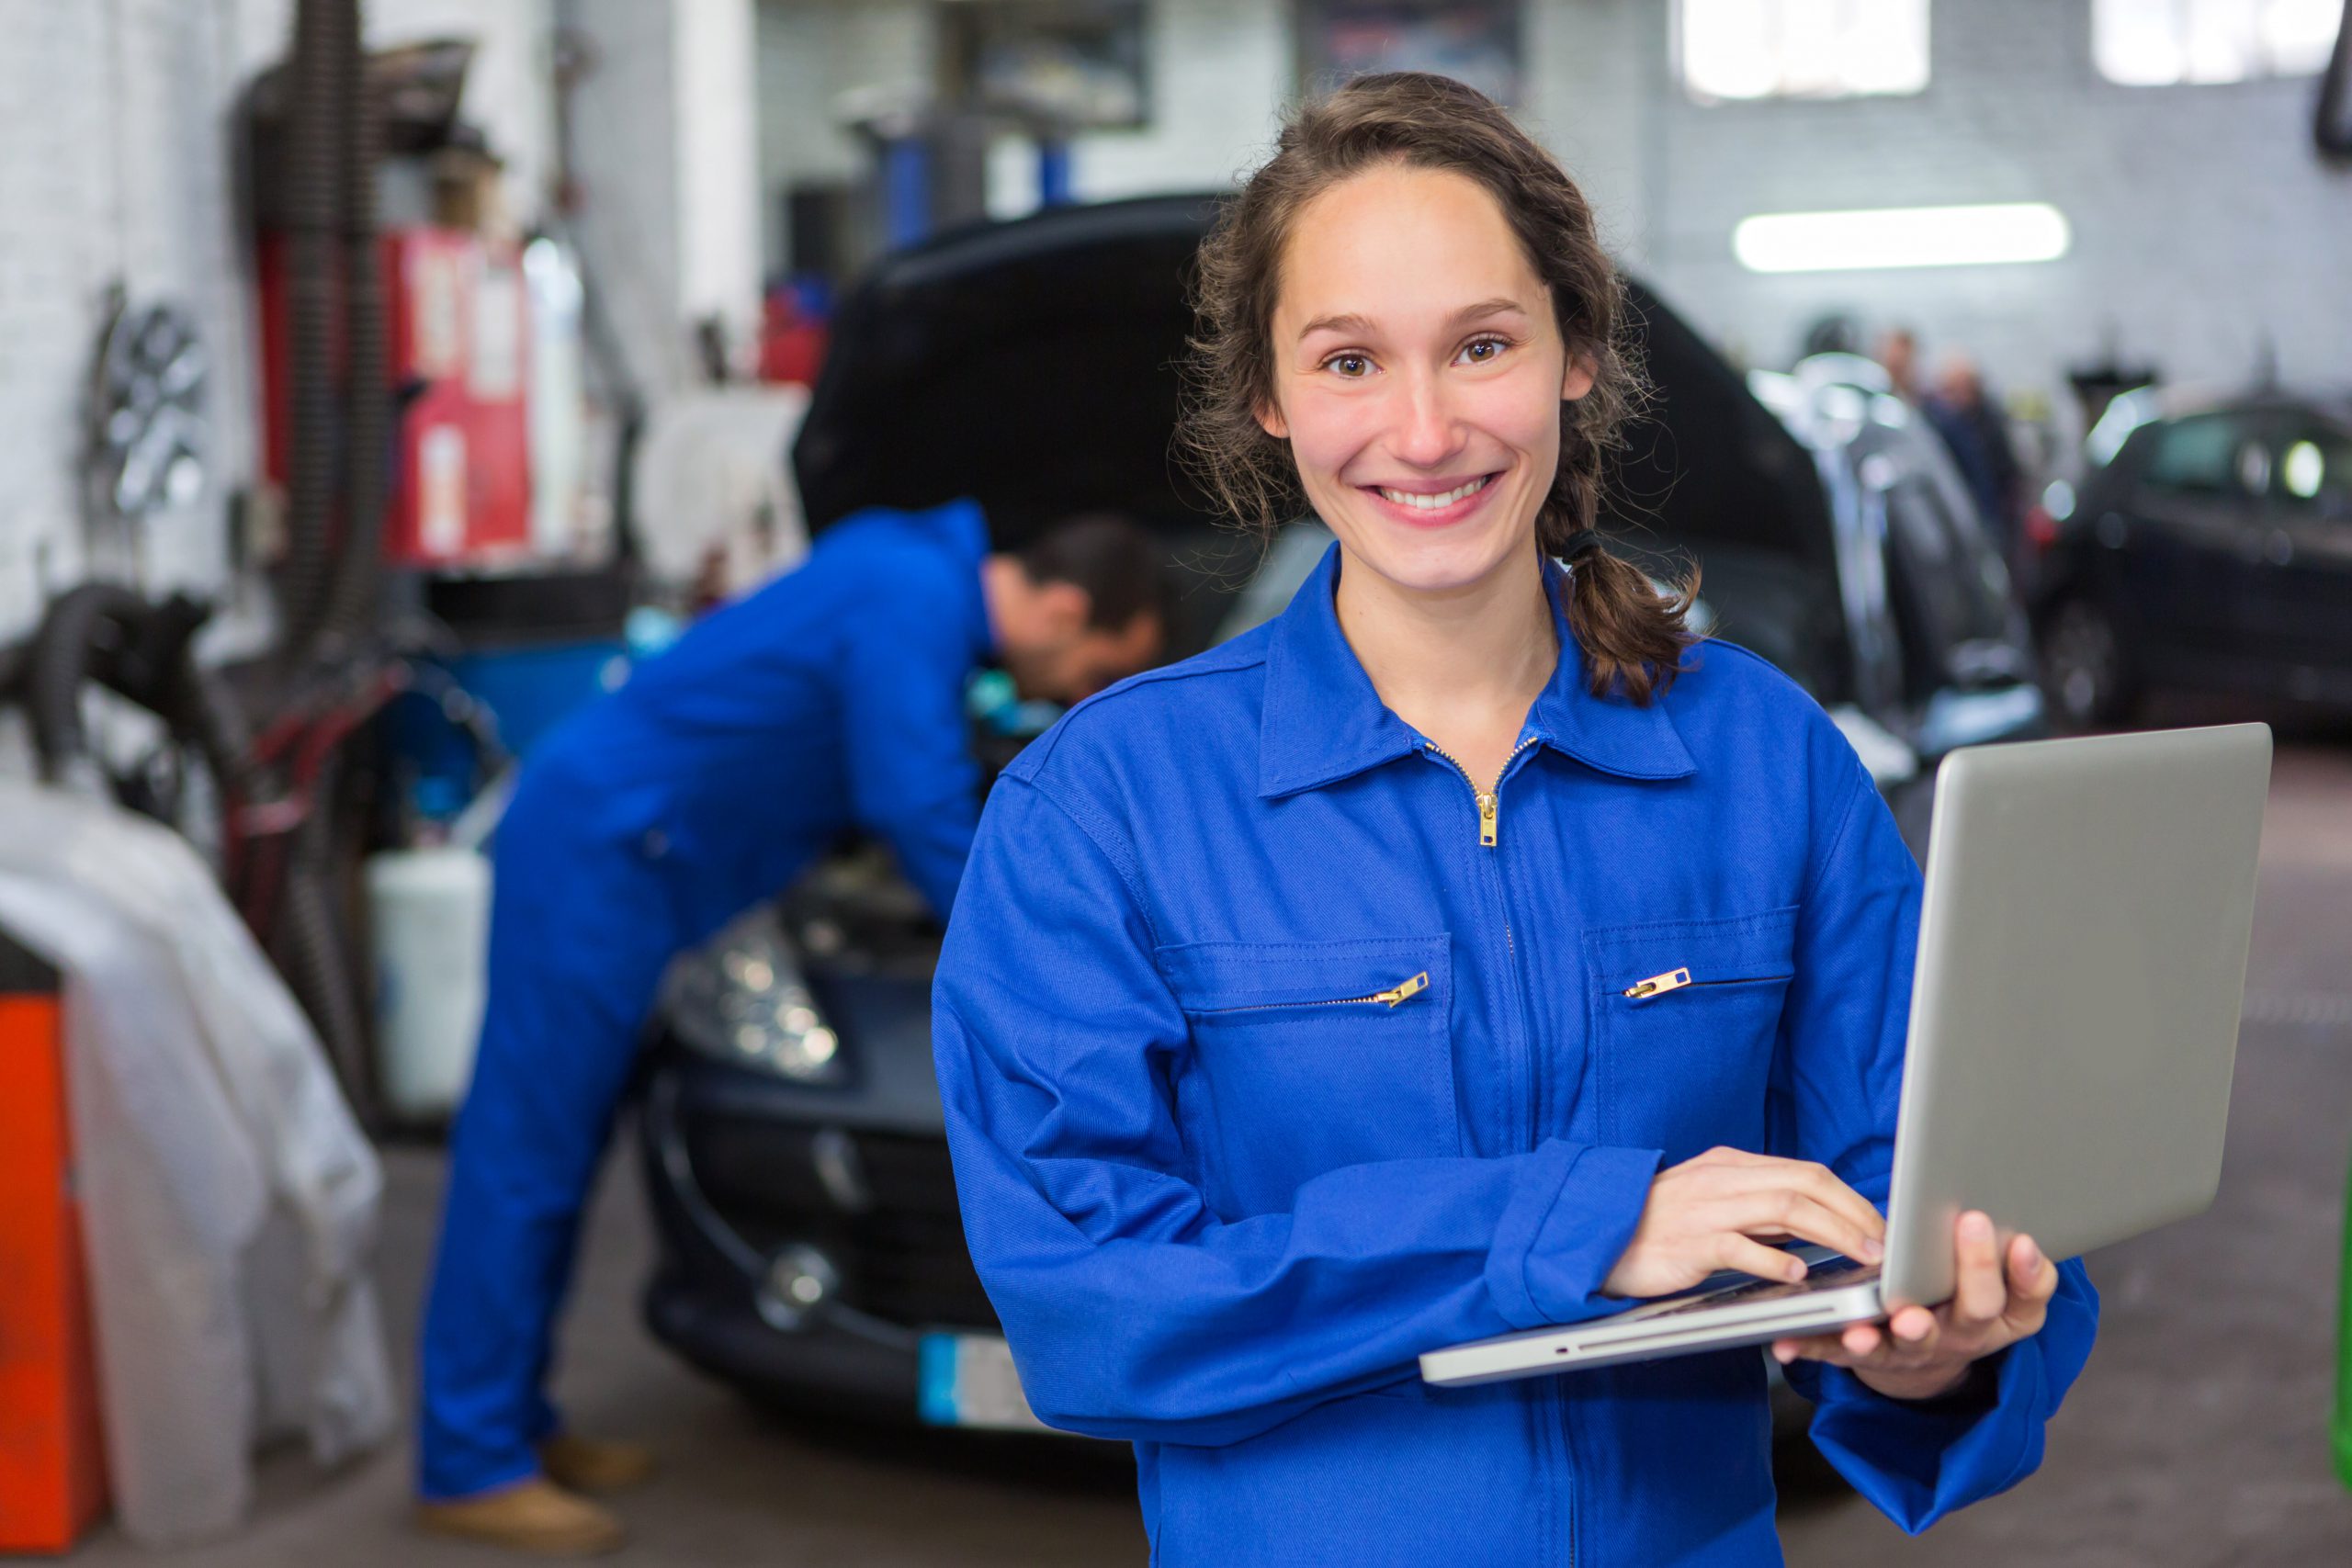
[[1858, 1344], [1736, 1251], [1910, 1337], [1779, 1213], [1820, 1183], [1913, 1330], [2033, 1280], [1745, 1179], [1982, 1292]]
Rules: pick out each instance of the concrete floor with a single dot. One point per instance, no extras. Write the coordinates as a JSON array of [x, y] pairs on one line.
[[2195, 1438]]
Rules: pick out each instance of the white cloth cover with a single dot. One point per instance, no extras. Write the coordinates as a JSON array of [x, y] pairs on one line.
[[228, 1197]]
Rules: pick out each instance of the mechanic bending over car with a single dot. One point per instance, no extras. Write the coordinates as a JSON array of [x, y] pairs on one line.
[[1267, 1025], [832, 697]]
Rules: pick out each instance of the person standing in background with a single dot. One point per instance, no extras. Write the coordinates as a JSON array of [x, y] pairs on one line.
[[1972, 427]]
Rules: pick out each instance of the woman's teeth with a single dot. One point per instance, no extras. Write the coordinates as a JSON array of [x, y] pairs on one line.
[[1431, 502]]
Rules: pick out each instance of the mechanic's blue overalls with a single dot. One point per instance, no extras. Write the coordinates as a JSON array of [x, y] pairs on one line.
[[1274, 1056], [831, 697]]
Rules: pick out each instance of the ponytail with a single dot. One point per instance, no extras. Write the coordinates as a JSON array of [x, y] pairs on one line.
[[1632, 637]]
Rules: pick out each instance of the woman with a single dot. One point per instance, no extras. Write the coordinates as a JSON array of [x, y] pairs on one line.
[[1285, 1025]]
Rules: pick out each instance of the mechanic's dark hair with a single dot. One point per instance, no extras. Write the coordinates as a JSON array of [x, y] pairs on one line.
[[1631, 636], [1114, 558]]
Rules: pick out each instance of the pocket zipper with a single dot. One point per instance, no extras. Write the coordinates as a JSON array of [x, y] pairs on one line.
[[1389, 997], [1678, 979]]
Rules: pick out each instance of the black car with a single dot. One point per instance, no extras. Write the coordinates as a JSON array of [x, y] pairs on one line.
[[791, 1127], [2212, 549]]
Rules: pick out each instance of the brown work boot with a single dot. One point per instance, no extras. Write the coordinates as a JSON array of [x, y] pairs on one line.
[[585, 1465], [534, 1515]]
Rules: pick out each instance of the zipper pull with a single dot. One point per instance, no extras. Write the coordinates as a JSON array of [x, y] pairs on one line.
[[1657, 984], [1412, 987], [1487, 811]]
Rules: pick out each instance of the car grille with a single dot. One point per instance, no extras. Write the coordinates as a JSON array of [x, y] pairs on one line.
[[902, 1258]]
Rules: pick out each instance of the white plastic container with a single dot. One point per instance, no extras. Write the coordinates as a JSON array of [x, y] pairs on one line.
[[429, 910]]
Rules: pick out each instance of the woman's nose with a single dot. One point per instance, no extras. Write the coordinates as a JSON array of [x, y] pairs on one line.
[[1427, 432]]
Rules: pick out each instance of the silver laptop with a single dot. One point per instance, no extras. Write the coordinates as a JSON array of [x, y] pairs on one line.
[[2074, 1022]]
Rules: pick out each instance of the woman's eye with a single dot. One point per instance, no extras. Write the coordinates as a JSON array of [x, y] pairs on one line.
[[1353, 366], [1481, 351]]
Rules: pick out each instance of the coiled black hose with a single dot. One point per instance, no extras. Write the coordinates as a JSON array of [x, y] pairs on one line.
[[318, 963], [80, 638], [340, 444], [350, 612], [324, 38]]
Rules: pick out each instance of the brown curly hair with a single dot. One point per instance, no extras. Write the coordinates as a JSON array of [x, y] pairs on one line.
[[1633, 637]]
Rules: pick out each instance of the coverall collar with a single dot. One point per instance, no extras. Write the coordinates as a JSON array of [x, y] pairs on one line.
[[1323, 721]]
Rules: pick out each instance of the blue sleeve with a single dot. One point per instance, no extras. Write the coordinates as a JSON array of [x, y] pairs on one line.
[[1133, 1309], [912, 777], [1836, 1081]]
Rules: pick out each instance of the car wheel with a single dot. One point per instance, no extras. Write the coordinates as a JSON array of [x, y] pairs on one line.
[[2085, 667]]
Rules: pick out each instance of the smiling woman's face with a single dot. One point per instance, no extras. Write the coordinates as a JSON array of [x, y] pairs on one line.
[[1418, 376]]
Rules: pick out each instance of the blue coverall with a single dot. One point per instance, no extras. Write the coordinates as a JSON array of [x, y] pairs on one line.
[[1223, 1191], [832, 696]]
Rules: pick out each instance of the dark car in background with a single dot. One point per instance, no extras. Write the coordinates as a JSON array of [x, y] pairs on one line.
[[2212, 548], [812, 1249]]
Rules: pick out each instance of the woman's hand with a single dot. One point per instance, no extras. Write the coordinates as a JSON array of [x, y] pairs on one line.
[[1920, 1353], [1718, 1209]]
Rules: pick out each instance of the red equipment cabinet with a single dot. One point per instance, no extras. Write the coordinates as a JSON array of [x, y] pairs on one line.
[[52, 1465], [457, 321]]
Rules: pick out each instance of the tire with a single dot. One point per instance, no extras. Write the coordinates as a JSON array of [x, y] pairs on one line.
[[2087, 667]]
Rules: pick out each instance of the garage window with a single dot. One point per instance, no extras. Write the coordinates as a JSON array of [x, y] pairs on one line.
[[2157, 43], [1727, 49]]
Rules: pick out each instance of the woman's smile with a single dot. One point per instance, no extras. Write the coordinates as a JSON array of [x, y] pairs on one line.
[[1440, 503]]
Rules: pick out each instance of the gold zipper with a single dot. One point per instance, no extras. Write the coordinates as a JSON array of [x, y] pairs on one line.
[[1657, 984], [1389, 997], [1489, 804], [1675, 979]]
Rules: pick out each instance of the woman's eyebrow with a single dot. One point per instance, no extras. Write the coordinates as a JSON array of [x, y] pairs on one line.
[[1351, 322], [1341, 323], [1496, 307]]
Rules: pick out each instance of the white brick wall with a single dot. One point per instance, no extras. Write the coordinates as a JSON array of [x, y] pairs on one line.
[[116, 163], [111, 167]]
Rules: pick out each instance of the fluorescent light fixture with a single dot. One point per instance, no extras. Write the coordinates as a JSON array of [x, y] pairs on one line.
[[1901, 236]]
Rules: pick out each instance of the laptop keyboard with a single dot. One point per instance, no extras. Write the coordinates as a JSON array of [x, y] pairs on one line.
[[1826, 1274]]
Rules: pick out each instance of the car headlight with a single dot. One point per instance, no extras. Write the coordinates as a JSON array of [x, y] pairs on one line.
[[741, 998]]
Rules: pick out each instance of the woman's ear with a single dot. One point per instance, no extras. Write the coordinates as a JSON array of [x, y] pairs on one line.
[[1579, 379], [1270, 421]]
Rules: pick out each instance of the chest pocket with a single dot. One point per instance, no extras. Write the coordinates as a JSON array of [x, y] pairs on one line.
[[1310, 1055], [1686, 1013]]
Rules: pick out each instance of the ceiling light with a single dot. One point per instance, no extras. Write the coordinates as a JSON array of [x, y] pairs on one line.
[[1901, 236]]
